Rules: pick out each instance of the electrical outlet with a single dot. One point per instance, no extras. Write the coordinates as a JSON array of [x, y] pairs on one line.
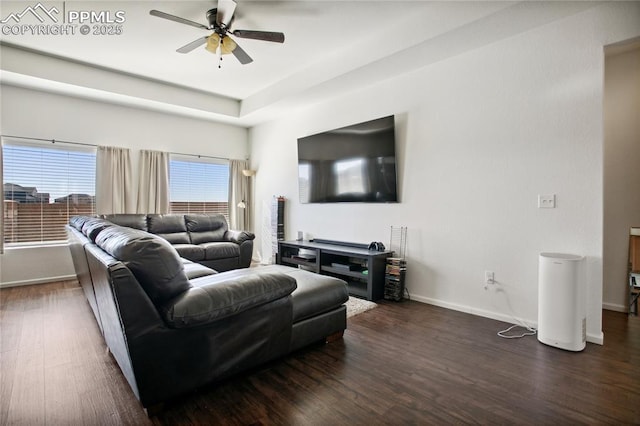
[[488, 277], [547, 201]]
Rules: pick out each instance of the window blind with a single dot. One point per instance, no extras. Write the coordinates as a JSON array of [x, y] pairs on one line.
[[198, 185], [44, 185]]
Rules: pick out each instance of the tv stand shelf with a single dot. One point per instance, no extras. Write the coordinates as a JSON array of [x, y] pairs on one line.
[[298, 262], [362, 269]]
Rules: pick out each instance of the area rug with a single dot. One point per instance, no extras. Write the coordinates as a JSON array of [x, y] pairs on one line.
[[357, 306]]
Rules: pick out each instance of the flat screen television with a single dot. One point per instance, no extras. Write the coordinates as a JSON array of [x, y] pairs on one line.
[[351, 164]]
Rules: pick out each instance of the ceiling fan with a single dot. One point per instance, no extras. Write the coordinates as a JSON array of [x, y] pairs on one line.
[[220, 42]]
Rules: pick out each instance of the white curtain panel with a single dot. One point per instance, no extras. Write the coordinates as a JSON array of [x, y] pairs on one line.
[[239, 199], [153, 182], [114, 190]]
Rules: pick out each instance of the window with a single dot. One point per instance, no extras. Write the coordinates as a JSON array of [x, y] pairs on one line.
[[198, 185], [44, 185]]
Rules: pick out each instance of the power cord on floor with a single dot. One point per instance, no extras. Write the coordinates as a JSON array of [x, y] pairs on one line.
[[530, 332]]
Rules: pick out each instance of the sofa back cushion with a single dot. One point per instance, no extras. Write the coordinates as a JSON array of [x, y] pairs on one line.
[[130, 220], [154, 262], [171, 227], [93, 226], [204, 228], [78, 221]]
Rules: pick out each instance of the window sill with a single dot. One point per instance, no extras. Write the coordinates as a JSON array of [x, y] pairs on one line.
[[31, 245]]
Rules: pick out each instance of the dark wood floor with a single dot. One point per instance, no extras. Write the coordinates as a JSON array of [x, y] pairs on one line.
[[406, 363]]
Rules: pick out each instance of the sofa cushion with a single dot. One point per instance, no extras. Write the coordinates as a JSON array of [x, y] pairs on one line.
[[206, 228], [222, 295], [92, 227], [220, 250], [153, 261], [196, 270], [315, 293], [190, 251], [130, 220], [171, 227], [78, 221]]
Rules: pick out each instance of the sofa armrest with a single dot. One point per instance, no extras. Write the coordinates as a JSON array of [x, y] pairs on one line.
[[238, 237], [217, 297]]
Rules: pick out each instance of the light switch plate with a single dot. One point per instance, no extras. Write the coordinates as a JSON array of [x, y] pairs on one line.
[[547, 201]]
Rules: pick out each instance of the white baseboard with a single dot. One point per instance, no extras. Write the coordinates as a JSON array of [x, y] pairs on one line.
[[614, 307], [474, 311], [37, 281], [597, 339]]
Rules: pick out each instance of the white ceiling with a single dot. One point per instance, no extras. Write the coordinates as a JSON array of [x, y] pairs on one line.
[[330, 47]]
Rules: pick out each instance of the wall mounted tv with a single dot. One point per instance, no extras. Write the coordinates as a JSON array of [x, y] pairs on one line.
[[351, 164]]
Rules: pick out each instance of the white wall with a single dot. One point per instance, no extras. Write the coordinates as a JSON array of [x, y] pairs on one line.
[[480, 135], [621, 171], [43, 115]]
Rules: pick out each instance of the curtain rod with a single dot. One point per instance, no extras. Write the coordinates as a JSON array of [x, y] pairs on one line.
[[89, 144], [200, 156], [48, 140]]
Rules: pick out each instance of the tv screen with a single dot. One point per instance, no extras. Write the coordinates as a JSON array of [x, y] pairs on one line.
[[351, 164]]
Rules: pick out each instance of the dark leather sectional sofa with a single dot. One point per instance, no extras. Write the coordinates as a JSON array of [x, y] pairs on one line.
[[201, 238], [174, 325]]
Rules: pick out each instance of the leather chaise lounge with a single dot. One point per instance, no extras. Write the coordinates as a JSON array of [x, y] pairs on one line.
[[174, 325]]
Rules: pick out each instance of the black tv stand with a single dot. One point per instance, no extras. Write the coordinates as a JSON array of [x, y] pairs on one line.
[[361, 268]]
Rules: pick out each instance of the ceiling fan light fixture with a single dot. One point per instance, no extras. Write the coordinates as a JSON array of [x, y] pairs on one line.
[[220, 20], [226, 46]]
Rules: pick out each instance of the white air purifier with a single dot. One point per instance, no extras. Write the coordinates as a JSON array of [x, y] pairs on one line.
[[562, 318]]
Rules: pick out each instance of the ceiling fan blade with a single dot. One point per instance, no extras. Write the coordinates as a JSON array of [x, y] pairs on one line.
[[196, 43], [177, 19], [260, 35], [241, 55], [226, 9]]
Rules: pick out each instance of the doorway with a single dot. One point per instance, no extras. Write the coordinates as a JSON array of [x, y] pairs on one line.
[[621, 198]]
